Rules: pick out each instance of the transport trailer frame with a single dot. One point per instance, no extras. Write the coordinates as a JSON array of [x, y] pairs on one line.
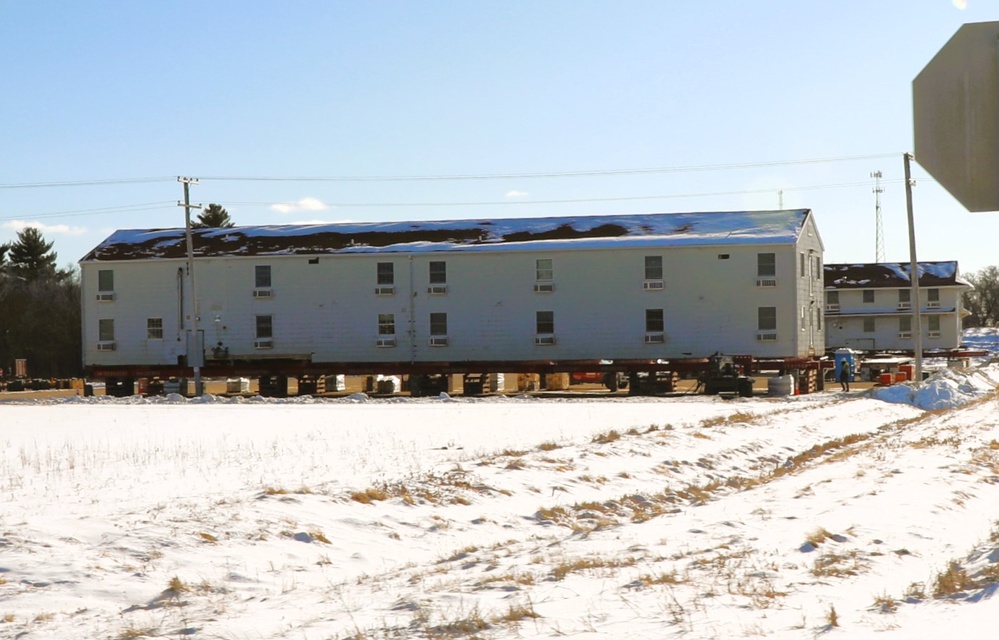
[[647, 377]]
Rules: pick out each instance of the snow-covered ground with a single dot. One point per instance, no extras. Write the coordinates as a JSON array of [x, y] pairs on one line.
[[690, 517]]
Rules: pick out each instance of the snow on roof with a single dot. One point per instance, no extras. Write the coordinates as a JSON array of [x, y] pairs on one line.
[[892, 275], [658, 229]]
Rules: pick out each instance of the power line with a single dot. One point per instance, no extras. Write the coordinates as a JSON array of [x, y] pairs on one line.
[[552, 174], [567, 200], [81, 183], [146, 206]]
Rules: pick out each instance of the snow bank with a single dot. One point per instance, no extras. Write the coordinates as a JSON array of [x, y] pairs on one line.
[[946, 389]]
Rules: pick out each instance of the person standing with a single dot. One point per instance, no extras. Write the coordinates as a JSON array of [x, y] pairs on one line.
[[844, 376]]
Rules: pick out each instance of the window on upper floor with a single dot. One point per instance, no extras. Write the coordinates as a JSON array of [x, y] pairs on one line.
[[766, 265], [262, 276], [802, 264], [933, 297], [904, 295], [438, 272], [832, 298], [868, 296], [386, 273], [154, 328], [544, 269], [105, 280], [653, 267]]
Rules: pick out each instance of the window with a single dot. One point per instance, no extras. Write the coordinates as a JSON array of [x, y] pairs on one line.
[[386, 324], [868, 296], [653, 267], [654, 322], [933, 324], [818, 267], [545, 321], [905, 326], [544, 269], [438, 272], [723, 256], [767, 318], [766, 265], [802, 261], [832, 297], [438, 324], [105, 280], [904, 295], [105, 330], [868, 325], [386, 273], [262, 276], [264, 327], [154, 328], [933, 298]]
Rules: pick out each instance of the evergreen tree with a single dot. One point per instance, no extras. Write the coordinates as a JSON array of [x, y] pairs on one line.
[[30, 256], [213, 216]]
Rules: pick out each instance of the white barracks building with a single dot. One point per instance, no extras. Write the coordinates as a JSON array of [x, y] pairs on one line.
[[639, 287]]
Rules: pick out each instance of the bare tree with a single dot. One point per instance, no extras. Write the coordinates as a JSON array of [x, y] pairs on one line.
[[982, 302]]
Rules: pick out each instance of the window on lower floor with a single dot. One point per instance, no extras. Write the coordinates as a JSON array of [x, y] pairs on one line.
[[766, 318], [868, 325], [386, 324], [905, 324], [105, 330], [154, 328], [933, 323], [438, 324], [545, 322], [264, 327], [654, 321]]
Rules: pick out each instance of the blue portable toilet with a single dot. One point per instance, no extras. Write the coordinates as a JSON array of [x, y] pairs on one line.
[[845, 358]]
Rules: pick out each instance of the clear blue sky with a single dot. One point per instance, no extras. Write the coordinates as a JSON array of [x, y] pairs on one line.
[[103, 93]]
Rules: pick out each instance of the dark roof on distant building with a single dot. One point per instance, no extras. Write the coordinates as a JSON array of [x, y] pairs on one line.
[[892, 275], [659, 229]]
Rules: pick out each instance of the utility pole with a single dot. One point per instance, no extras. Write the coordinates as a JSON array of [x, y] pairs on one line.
[[195, 346], [879, 230], [917, 325]]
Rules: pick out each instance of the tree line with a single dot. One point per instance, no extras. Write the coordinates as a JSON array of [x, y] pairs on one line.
[[40, 304]]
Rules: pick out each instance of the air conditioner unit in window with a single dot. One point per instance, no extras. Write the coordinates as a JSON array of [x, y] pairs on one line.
[[264, 343], [384, 291], [438, 341], [106, 346], [934, 334], [766, 336], [654, 338], [544, 287], [385, 342], [544, 341], [832, 307], [904, 305], [105, 296], [766, 282], [437, 289], [653, 285], [933, 304], [904, 334], [263, 293]]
